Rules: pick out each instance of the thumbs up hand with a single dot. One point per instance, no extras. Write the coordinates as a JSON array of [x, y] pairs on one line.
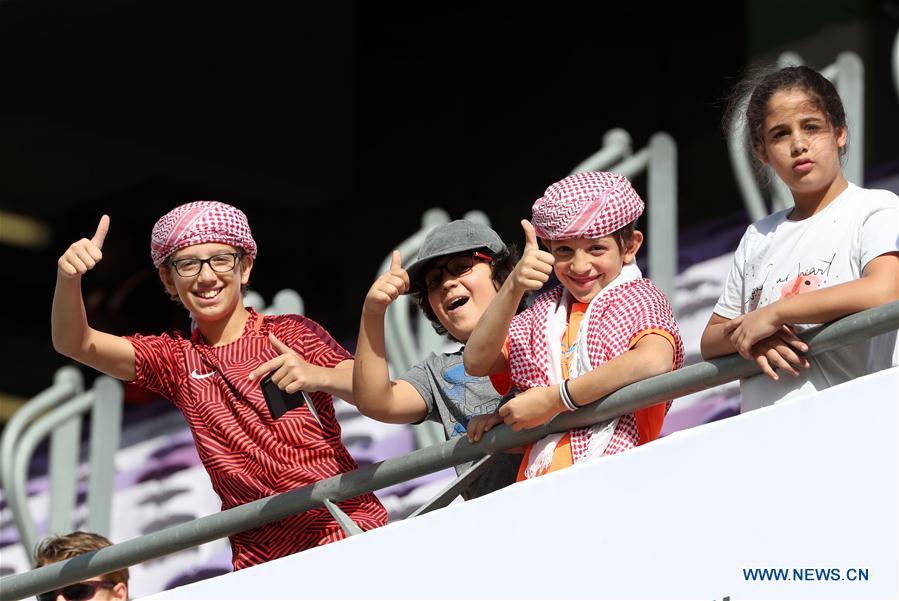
[[387, 288], [83, 255], [535, 266]]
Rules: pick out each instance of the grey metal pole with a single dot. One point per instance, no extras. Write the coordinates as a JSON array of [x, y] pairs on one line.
[[106, 432], [67, 382], [661, 209], [65, 444], [29, 442], [850, 82], [847, 330]]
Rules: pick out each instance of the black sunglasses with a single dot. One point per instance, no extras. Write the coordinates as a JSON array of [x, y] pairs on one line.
[[81, 591], [457, 266]]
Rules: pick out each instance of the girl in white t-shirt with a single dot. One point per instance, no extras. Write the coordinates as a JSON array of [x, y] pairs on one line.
[[834, 253]]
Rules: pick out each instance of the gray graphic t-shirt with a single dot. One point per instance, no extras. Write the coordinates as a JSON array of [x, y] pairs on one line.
[[453, 397]]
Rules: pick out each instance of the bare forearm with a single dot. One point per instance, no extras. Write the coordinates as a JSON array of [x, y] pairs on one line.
[[484, 347], [714, 342], [371, 377], [337, 380], [653, 356], [74, 338], [68, 320], [377, 396]]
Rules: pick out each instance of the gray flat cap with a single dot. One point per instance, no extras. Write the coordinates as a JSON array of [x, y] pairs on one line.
[[451, 238]]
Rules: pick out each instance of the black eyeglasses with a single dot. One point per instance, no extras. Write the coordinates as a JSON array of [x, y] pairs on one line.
[[457, 266], [190, 267], [81, 591]]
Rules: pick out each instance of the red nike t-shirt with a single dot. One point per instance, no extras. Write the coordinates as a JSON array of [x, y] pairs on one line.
[[247, 454]]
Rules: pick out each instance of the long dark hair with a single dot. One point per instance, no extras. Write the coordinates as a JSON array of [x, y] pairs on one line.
[[764, 82]]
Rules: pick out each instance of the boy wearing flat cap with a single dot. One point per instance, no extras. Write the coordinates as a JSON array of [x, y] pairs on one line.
[[204, 252], [454, 277], [604, 327]]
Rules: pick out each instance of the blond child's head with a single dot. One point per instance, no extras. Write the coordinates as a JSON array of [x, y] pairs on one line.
[[110, 587], [587, 221]]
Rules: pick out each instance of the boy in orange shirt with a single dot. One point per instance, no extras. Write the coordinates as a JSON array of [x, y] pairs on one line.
[[604, 327]]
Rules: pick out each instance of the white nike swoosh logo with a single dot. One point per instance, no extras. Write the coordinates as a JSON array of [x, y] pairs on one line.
[[197, 376]]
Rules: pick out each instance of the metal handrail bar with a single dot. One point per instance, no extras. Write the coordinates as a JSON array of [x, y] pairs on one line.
[[67, 382], [616, 146], [847, 330], [29, 442], [631, 166]]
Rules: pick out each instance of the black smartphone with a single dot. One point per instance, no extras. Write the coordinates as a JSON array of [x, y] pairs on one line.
[[280, 402]]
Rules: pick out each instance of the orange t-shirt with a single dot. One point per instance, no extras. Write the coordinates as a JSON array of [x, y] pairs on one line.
[[649, 420]]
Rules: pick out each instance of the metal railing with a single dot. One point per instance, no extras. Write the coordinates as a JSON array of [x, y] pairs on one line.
[[659, 160], [848, 74], [895, 62], [847, 330], [57, 413], [284, 302]]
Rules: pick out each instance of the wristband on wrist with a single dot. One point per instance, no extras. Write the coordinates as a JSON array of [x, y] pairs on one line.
[[566, 396]]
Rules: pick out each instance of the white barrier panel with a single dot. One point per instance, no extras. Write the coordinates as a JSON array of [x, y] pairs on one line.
[[794, 501]]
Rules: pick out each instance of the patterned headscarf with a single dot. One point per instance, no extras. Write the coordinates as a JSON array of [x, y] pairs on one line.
[[586, 205], [198, 223]]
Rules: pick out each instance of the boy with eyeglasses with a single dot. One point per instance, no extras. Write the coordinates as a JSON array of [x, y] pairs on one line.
[[205, 252], [455, 275], [109, 587]]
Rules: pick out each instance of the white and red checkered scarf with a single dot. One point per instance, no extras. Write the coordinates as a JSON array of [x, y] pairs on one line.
[[626, 307], [198, 223]]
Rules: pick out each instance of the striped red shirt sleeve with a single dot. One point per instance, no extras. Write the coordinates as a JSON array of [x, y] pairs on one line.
[[155, 363]]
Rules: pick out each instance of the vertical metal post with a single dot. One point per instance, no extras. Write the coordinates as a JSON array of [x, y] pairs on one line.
[[31, 438], [67, 382], [106, 433], [65, 441], [850, 82], [662, 212], [895, 63], [741, 161]]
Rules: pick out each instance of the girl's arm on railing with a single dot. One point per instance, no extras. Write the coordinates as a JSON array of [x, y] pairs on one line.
[[878, 285]]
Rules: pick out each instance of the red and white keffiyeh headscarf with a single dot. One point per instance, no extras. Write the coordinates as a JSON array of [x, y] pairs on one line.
[[586, 205], [198, 223], [628, 306]]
